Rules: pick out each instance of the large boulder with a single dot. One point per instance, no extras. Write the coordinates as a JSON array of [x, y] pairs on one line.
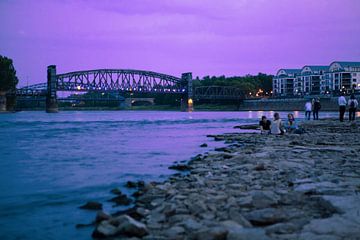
[[120, 226]]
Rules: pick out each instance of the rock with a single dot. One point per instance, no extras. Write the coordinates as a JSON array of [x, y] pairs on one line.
[[191, 224], [132, 212], [248, 127], [175, 232], [214, 233], [140, 184], [265, 217], [104, 229], [260, 167], [282, 228], [236, 216], [129, 226], [231, 226], [142, 211], [122, 225], [263, 199], [92, 205], [180, 167], [101, 216], [130, 184], [116, 191], [248, 233], [315, 187], [121, 200], [203, 145]]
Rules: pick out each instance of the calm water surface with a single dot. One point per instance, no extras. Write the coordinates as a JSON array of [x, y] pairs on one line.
[[52, 163]]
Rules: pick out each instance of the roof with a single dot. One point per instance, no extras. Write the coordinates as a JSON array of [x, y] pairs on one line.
[[317, 67], [347, 64], [290, 71]]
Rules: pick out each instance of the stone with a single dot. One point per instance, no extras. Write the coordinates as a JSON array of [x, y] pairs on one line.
[[130, 227], [282, 228], [101, 216], [213, 233], [314, 187], [191, 224], [260, 167], [263, 199], [180, 167], [248, 233], [231, 226], [237, 217], [130, 184], [105, 229], [92, 205], [175, 232], [265, 217], [121, 200], [116, 191]]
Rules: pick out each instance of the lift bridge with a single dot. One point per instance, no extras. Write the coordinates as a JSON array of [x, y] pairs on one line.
[[121, 81]]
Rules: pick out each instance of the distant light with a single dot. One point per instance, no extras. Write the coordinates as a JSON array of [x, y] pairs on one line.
[[78, 88], [190, 101]]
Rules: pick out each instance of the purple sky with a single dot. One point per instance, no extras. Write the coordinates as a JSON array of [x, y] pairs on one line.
[[206, 37]]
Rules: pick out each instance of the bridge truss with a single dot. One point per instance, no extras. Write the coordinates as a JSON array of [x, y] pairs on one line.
[[119, 80]]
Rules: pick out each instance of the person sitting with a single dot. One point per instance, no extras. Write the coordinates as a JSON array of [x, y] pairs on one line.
[[291, 123], [264, 125], [277, 125]]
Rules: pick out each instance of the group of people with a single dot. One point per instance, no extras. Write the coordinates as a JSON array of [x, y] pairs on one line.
[[277, 127], [352, 103], [313, 106]]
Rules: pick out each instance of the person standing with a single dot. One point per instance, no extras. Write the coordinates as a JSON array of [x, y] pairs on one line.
[[342, 107], [353, 104], [316, 108], [308, 107]]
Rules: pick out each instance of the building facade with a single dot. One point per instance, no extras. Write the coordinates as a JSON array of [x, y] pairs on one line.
[[318, 80], [284, 83]]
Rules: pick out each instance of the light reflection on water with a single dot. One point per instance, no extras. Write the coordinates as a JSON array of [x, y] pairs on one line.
[[52, 163]]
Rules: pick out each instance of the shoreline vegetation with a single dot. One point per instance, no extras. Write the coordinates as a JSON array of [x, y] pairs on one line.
[[256, 187]]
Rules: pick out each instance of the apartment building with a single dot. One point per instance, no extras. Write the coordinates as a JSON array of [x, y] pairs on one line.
[[318, 79]]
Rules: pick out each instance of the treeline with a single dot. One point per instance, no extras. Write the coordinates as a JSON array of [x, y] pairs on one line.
[[248, 83]]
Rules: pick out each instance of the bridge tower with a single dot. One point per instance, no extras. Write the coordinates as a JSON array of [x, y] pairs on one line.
[[51, 99], [187, 99]]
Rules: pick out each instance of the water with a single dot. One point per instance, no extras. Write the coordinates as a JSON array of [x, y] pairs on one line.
[[52, 163]]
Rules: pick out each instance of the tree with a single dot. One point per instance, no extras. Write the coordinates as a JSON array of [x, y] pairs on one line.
[[8, 79]]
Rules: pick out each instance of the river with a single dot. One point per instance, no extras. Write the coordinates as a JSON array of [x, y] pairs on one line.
[[50, 164]]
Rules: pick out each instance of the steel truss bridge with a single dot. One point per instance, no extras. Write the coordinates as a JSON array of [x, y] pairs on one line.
[[120, 81]]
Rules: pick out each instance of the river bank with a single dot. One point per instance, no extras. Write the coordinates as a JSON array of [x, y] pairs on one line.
[[257, 187]]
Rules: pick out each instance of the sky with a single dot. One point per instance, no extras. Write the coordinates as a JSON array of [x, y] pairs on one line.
[[206, 37]]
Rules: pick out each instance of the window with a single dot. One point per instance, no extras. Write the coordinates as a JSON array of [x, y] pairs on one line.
[[354, 79], [354, 74]]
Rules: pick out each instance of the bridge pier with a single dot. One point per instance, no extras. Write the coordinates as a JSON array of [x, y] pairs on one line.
[[51, 98], [187, 104]]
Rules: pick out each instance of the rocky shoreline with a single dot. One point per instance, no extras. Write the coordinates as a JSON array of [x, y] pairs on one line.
[[257, 187]]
